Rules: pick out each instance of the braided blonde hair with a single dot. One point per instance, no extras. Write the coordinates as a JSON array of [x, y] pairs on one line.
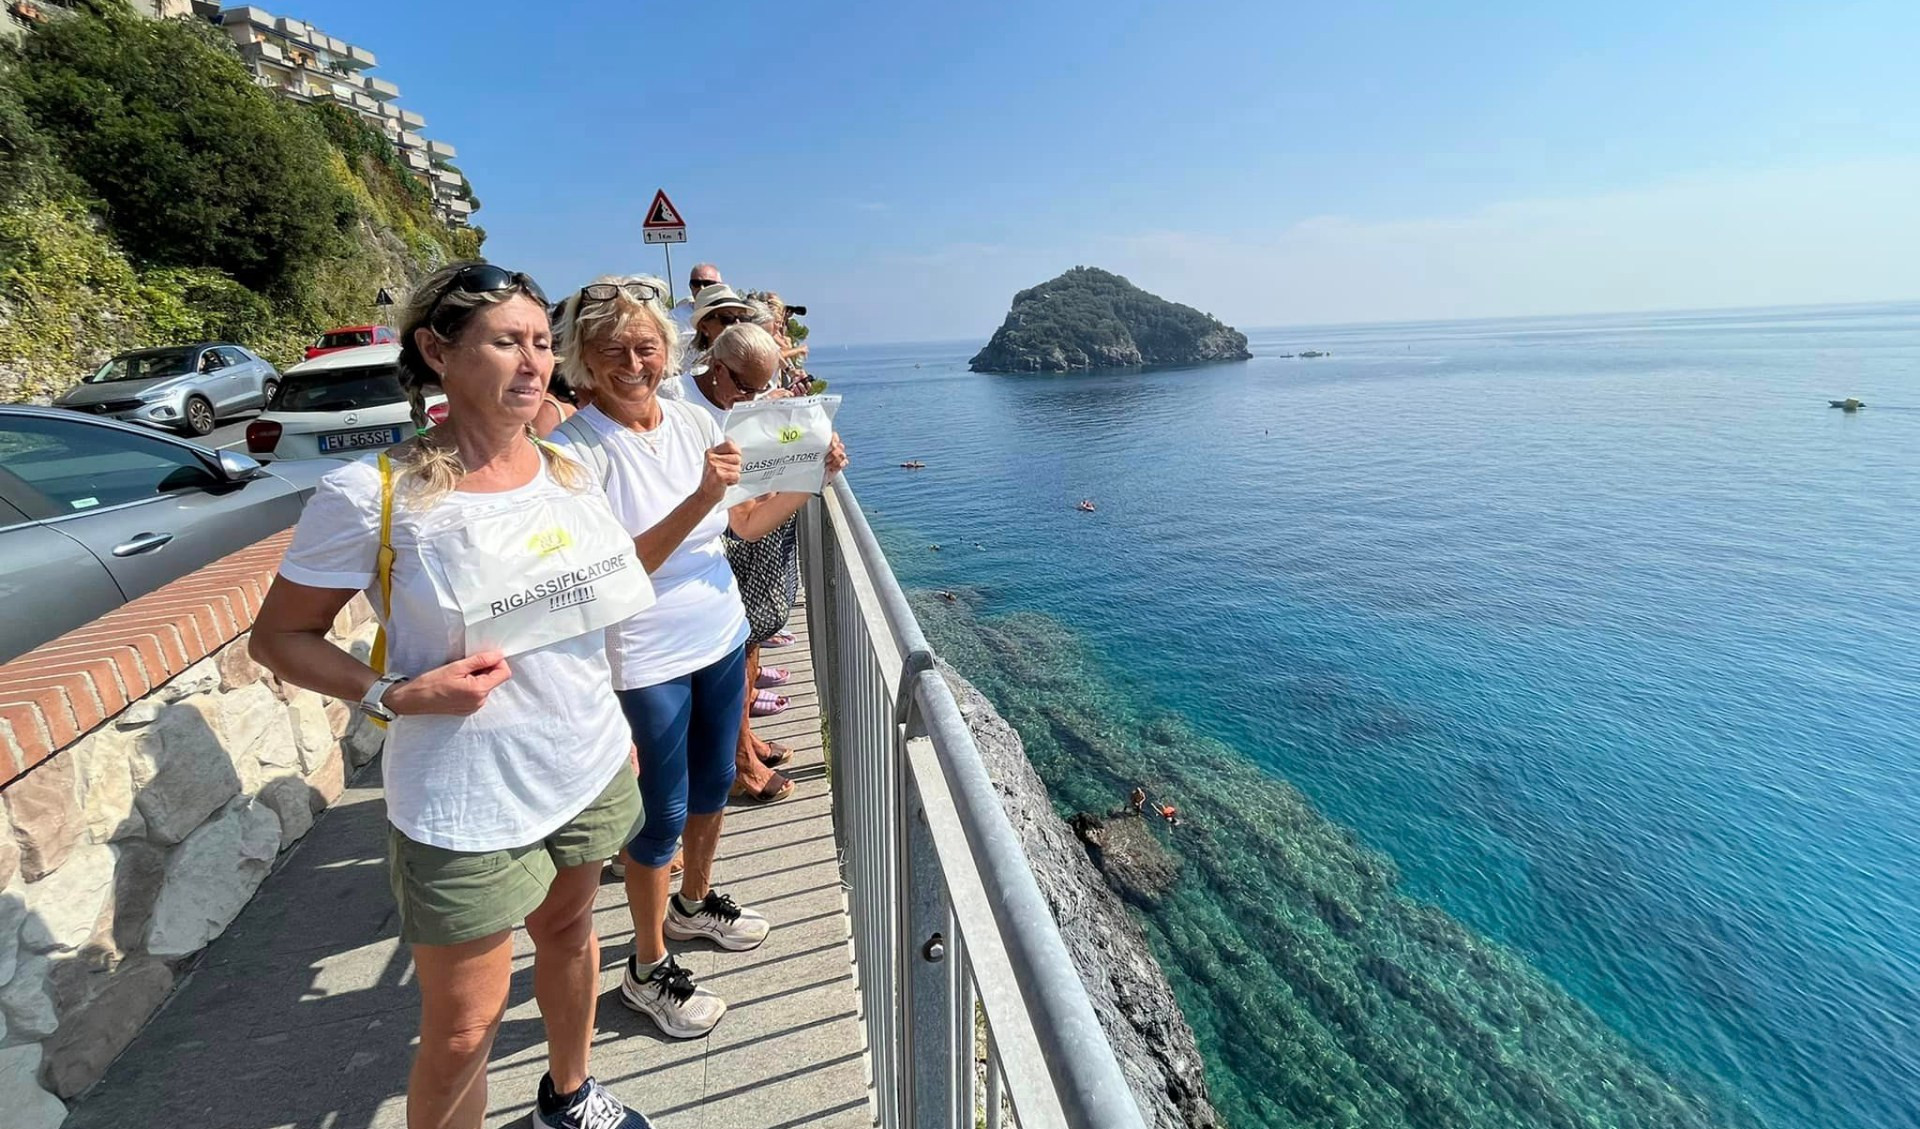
[[430, 468]]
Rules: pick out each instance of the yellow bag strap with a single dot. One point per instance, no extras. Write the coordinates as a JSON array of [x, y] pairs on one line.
[[383, 564]]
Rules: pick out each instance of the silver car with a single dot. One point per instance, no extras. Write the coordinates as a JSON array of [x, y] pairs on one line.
[[186, 388], [94, 513]]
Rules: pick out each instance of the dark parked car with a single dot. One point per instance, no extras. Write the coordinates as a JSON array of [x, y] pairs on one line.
[[185, 388], [94, 513]]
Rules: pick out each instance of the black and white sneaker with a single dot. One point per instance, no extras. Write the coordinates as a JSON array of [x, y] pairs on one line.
[[718, 919], [594, 1107], [672, 1000]]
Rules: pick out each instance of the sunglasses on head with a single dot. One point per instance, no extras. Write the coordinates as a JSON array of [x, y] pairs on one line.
[[485, 278], [608, 291]]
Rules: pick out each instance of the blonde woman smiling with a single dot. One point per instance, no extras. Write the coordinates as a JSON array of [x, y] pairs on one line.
[[679, 667]]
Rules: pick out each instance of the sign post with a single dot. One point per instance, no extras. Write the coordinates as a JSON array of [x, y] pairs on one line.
[[665, 227]]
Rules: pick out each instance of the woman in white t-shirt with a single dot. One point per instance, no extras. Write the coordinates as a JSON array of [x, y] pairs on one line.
[[679, 666], [506, 778]]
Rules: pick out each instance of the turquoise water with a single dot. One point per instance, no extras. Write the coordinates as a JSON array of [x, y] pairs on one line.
[[1605, 630]]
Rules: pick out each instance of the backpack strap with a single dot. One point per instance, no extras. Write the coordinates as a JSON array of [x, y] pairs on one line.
[[588, 441]]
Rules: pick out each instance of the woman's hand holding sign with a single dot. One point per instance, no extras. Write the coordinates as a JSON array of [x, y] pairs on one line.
[[722, 470], [836, 457], [460, 687]]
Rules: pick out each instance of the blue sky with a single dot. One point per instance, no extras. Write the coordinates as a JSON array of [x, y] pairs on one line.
[[902, 169]]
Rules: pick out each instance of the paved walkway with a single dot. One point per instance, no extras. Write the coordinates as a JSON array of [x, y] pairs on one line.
[[303, 1014]]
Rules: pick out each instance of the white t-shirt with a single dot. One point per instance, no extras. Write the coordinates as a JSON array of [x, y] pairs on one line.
[[690, 392], [697, 618], [549, 738]]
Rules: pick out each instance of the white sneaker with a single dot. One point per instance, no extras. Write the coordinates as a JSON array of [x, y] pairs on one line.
[[717, 919], [672, 1000], [615, 868], [595, 1108]]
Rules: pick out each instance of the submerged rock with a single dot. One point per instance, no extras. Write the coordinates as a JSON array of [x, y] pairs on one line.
[[1130, 993], [1321, 993], [1123, 846]]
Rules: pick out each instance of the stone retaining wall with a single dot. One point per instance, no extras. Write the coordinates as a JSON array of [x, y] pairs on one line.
[[150, 774]]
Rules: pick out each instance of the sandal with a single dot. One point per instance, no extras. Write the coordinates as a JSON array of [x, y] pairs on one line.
[[767, 703], [777, 788], [784, 639], [773, 676], [776, 755]]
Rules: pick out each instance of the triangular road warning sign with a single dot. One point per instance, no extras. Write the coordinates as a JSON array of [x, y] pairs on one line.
[[384, 298], [662, 213]]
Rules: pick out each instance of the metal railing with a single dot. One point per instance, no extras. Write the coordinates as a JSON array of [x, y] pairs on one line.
[[949, 926]]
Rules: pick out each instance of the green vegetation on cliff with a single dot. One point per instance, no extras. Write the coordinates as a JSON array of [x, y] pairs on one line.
[[1321, 995], [1093, 319], [150, 193]]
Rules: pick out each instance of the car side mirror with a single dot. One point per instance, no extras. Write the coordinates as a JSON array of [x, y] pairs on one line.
[[236, 467]]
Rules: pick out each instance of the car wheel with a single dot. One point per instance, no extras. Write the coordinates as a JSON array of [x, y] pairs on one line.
[[199, 416], [266, 393]]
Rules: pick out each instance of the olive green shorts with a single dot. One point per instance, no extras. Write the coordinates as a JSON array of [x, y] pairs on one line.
[[447, 897]]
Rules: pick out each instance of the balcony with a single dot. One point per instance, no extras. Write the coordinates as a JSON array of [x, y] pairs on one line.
[[441, 151], [417, 161], [295, 30], [412, 120], [460, 207], [263, 49], [449, 176], [366, 105], [380, 88], [258, 17], [360, 57], [413, 141]]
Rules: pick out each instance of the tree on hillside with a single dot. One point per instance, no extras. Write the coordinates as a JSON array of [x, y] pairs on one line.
[[194, 164]]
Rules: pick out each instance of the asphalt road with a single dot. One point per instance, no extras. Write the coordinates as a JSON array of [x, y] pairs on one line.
[[232, 433]]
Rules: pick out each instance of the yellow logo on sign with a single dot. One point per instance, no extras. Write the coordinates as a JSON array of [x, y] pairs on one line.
[[790, 434], [549, 541]]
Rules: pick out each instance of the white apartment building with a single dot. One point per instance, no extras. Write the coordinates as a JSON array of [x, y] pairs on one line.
[[296, 59]]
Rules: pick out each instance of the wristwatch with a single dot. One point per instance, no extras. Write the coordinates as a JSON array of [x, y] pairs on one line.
[[370, 703]]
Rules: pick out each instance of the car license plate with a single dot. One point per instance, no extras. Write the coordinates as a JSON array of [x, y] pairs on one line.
[[360, 440]]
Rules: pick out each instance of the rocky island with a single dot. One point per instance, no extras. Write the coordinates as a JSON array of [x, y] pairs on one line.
[[1089, 319]]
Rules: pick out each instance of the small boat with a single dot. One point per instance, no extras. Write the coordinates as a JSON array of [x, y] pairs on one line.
[[915, 464], [1086, 506], [1847, 405]]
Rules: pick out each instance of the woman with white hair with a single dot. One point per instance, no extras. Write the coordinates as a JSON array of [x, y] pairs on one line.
[[743, 365], [679, 666]]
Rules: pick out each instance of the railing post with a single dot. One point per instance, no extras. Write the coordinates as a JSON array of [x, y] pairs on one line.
[[928, 945]]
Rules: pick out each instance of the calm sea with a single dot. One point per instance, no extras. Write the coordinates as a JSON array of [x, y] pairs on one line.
[[1605, 630]]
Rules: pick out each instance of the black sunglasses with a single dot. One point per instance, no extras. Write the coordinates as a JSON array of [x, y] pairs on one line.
[[485, 278], [608, 291], [696, 285], [729, 317]]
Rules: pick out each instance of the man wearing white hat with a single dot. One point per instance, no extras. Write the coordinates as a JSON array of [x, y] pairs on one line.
[[699, 278]]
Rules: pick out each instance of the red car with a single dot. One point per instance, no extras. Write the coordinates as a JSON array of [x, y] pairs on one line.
[[350, 337]]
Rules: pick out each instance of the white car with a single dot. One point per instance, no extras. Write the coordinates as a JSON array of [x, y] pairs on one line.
[[338, 404]]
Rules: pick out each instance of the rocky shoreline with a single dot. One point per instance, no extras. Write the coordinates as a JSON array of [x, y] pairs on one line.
[[1130, 992]]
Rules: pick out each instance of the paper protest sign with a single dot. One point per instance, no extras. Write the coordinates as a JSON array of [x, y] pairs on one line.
[[783, 445], [536, 574]]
